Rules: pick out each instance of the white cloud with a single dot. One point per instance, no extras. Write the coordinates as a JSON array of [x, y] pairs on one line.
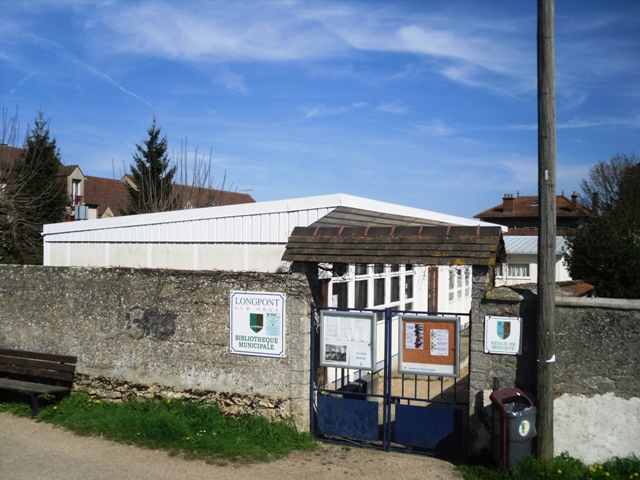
[[322, 111], [300, 31], [394, 108], [436, 128], [599, 122]]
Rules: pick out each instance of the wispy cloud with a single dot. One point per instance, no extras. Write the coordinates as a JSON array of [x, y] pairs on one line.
[[436, 128], [22, 82], [394, 108], [73, 61], [599, 122], [323, 111], [284, 31]]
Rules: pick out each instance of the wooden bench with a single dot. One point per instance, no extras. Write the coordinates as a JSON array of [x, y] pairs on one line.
[[36, 373]]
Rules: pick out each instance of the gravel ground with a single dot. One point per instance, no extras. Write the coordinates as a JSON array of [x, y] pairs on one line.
[[32, 450]]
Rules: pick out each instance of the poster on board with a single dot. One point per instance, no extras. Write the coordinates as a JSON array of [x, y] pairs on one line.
[[347, 339], [257, 324], [429, 345], [503, 335]]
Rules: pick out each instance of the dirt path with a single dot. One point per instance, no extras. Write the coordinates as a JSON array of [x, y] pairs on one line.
[[33, 450]]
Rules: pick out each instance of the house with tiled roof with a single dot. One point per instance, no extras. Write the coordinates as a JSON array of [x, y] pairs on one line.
[[520, 215], [96, 197], [9, 157]]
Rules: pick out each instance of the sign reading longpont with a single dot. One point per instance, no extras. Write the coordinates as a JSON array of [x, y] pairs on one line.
[[257, 323]]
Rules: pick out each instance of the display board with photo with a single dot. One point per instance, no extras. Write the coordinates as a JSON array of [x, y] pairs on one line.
[[347, 339]]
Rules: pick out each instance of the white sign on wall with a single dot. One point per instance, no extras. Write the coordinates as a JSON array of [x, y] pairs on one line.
[[503, 335], [257, 324]]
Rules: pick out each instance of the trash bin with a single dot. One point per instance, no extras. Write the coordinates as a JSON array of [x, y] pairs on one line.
[[513, 426]]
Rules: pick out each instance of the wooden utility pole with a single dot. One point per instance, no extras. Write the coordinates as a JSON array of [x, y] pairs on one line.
[[547, 228]]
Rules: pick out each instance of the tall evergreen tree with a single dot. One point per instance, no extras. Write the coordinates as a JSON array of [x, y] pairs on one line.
[[33, 196], [152, 175], [41, 166]]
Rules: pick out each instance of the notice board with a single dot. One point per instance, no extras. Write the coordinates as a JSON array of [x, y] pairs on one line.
[[347, 339], [429, 345]]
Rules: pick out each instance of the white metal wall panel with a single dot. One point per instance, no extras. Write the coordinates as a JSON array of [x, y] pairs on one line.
[[246, 229], [173, 255], [133, 255], [257, 236]]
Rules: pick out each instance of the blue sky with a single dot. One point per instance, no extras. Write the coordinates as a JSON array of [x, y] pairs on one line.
[[429, 104]]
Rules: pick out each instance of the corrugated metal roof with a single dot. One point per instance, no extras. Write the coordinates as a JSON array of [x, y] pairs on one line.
[[528, 245], [260, 222]]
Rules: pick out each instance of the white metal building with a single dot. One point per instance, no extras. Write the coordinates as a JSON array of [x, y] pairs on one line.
[[252, 237]]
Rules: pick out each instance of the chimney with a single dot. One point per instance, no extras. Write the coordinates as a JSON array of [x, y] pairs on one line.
[[574, 202], [595, 203], [507, 203]]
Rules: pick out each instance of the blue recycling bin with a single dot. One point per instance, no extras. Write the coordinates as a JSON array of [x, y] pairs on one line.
[[513, 426]]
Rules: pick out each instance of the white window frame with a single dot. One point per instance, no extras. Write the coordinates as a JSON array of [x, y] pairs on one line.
[[510, 270], [370, 276], [460, 283]]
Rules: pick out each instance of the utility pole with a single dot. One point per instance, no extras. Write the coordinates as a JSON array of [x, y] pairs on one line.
[[546, 344]]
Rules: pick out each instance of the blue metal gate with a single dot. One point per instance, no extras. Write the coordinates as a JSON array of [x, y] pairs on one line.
[[383, 408]]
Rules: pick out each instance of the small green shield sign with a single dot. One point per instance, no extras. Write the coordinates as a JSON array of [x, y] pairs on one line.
[[256, 321]]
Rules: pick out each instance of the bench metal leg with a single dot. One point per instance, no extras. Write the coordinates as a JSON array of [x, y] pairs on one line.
[[33, 400]]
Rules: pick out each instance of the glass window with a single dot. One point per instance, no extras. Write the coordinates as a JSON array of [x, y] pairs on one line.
[[519, 270], [513, 270], [378, 268], [361, 268], [395, 289], [395, 268], [408, 287], [340, 295], [452, 285], [378, 291], [361, 300]]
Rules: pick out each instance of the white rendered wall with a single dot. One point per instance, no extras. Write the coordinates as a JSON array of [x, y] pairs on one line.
[[608, 432]]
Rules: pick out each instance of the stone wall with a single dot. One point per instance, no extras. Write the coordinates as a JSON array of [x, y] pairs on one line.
[[597, 372], [154, 333]]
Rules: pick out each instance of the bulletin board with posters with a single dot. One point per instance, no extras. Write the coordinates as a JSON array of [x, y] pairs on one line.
[[429, 345]]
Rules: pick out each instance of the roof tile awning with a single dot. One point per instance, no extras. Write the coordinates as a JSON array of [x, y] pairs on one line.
[[422, 245]]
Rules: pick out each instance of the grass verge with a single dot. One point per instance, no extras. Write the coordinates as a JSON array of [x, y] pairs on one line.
[[560, 468], [189, 429]]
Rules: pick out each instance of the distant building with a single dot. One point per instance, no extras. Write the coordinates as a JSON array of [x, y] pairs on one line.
[[91, 198], [520, 214]]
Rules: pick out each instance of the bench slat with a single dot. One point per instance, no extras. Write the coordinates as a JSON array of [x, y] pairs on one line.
[[38, 364], [38, 355], [39, 388], [37, 373]]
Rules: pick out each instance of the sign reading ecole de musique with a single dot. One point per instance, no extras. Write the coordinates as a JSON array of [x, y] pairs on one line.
[[503, 335], [257, 323]]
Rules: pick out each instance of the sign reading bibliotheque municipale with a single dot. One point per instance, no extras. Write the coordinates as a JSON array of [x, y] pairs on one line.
[[257, 323]]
